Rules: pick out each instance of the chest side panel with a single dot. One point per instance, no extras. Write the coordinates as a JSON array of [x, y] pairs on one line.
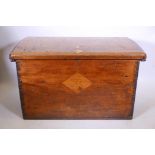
[[77, 89]]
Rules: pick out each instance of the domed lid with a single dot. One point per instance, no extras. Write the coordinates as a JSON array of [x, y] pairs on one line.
[[77, 48]]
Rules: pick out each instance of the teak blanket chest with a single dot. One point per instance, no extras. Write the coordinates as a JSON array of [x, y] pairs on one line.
[[77, 78]]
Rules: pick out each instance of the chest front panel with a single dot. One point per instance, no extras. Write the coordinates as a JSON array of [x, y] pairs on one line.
[[77, 89]]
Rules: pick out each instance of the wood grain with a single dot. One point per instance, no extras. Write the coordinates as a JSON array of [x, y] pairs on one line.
[[77, 78], [77, 48], [110, 95]]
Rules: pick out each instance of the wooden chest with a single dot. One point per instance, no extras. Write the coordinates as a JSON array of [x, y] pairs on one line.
[[77, 78]]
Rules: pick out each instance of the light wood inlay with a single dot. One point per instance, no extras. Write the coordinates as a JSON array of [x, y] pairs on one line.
[[77, 83]]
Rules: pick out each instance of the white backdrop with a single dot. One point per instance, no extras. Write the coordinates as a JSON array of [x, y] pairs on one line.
[[10, 111]]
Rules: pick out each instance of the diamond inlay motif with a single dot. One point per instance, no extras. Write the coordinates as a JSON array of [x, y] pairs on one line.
[[77, 82]]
